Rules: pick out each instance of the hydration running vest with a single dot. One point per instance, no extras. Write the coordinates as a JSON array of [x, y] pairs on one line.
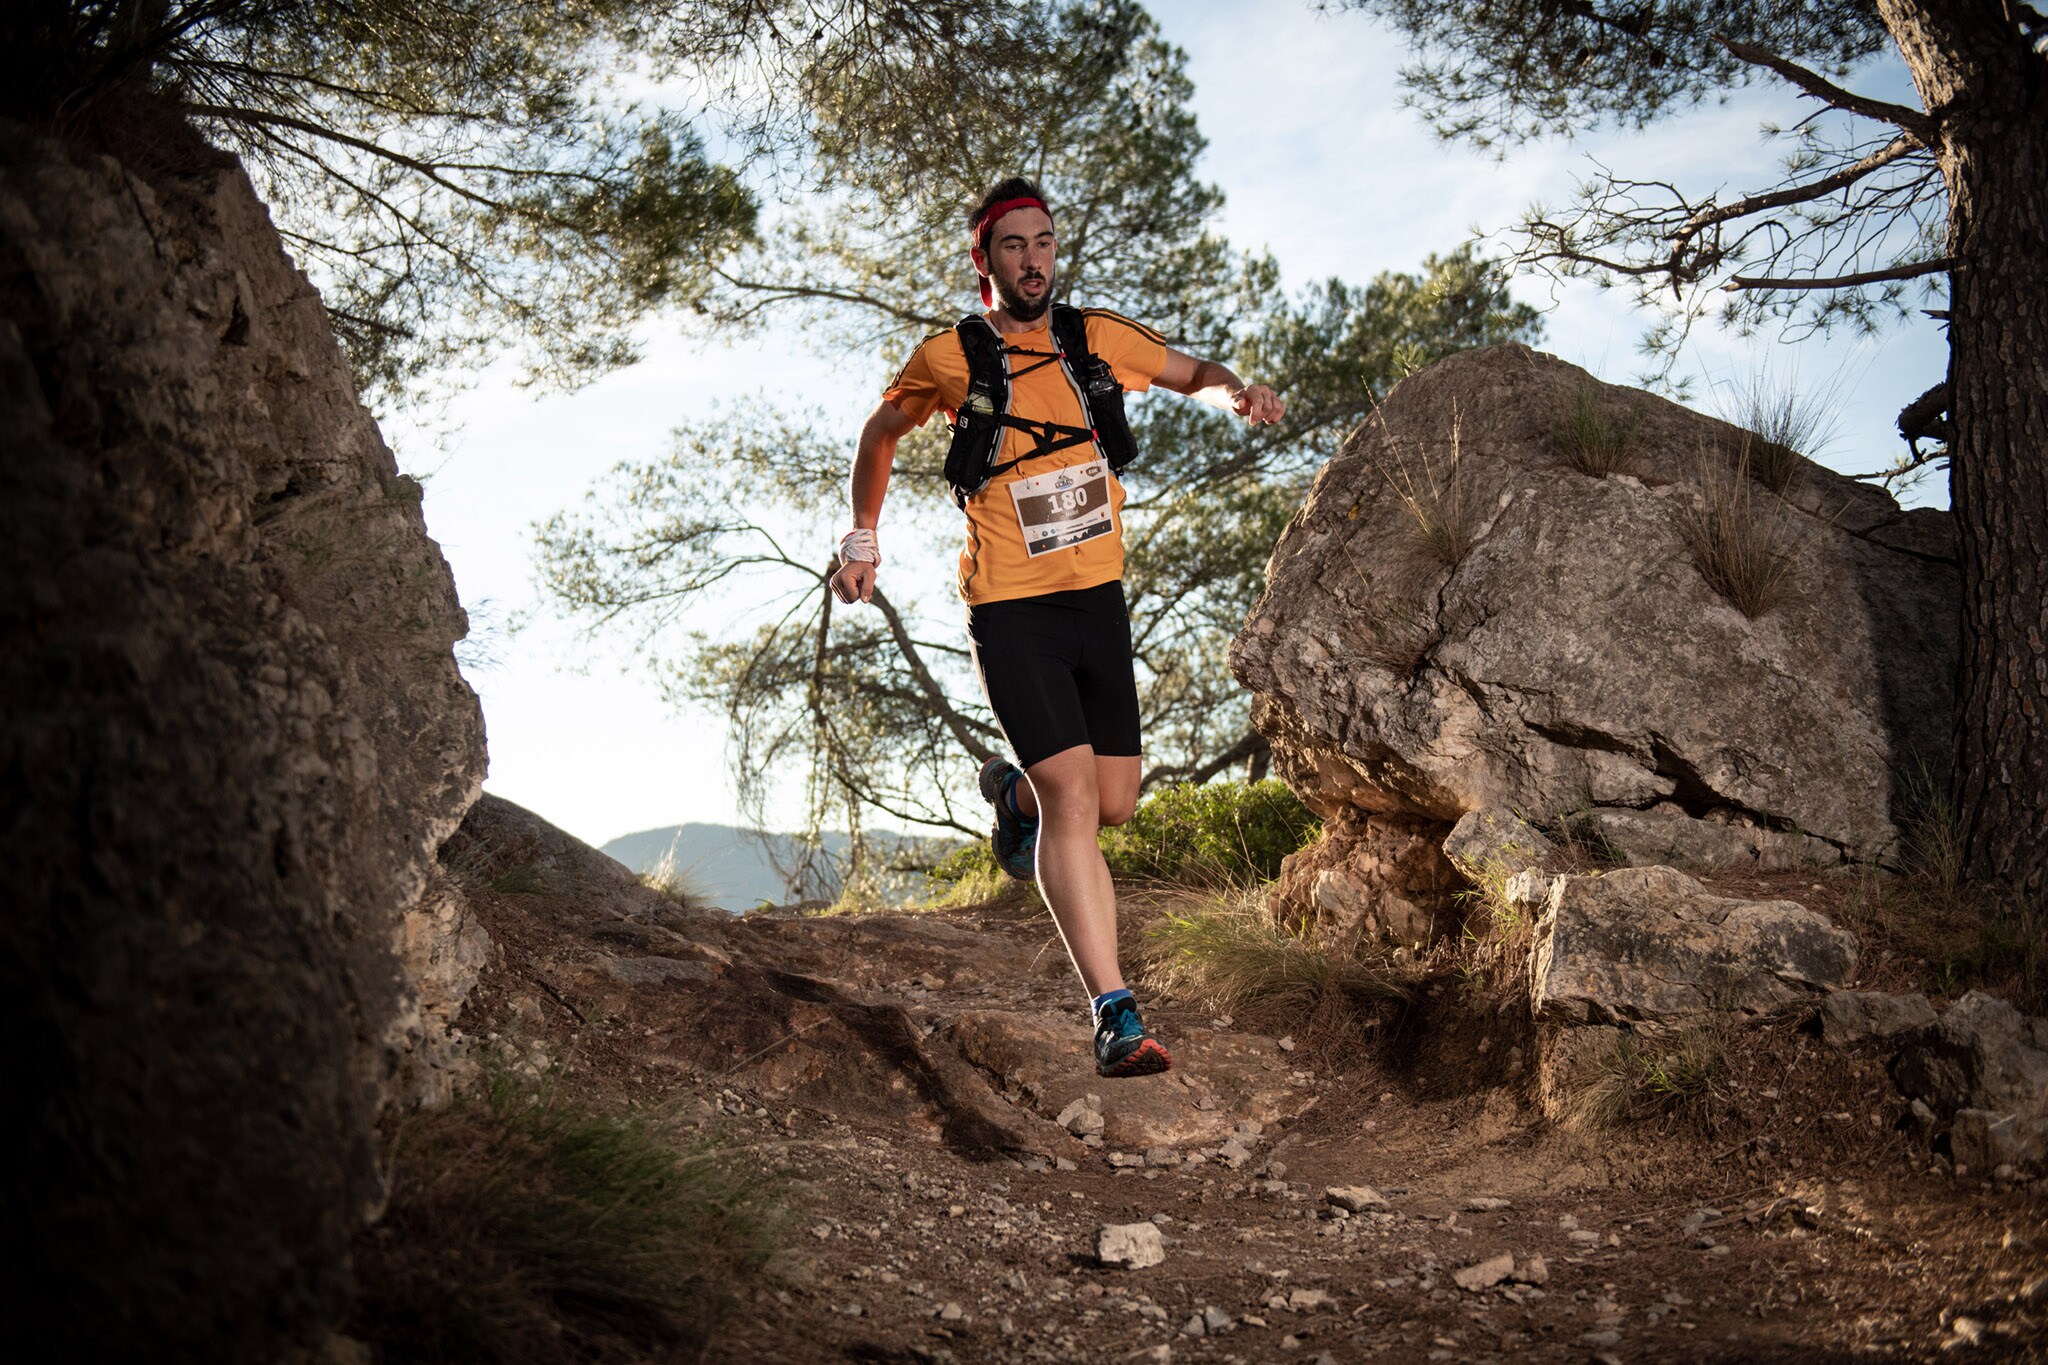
[[984, 413]]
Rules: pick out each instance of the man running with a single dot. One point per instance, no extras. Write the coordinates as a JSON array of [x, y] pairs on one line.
[[1042, 571]]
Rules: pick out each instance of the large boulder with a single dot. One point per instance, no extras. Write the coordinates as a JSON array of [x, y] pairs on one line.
[[1564, 657], [234, 734]]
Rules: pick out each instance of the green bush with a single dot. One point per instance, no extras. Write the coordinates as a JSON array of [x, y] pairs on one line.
[[1216, 834]]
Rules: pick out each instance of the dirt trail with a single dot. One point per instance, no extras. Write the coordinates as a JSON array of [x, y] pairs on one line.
[[903, 1074]]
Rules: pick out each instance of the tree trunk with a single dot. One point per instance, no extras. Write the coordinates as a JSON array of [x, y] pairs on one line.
[[1987, 91]]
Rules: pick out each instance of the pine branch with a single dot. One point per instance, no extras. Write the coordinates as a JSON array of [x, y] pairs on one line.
[[1916, 124], [1897, 272]]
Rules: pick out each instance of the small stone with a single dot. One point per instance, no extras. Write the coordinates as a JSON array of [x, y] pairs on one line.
[[1080, 1119], [1609, 1338], [1131, 1245], [1161, 1156], [1584, 1237], [1290, 1342], [821, 1230], [1060, 1163], [1276, 1170], [950, 1312], [1534, 1270], [1968, 1331], [1216, 1319], [1309, 1300], [1486, 1274], [1194, 1327], [1286, 1044], [1355, 1198], [1125, 1159], [1486, 1204], [1162, 1354]]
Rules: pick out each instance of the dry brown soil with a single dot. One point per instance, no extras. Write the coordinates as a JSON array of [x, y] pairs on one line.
[[898, 1076]]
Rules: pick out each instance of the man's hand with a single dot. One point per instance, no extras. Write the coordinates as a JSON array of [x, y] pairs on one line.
[[855, 582], [1258, 404]]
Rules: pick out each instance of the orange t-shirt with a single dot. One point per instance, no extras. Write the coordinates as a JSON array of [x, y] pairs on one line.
[[1055, 522]]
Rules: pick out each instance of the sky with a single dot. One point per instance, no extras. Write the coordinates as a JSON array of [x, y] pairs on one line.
[[1320, 165]]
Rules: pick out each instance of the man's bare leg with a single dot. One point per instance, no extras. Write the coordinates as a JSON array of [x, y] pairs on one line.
[[1074, 794]]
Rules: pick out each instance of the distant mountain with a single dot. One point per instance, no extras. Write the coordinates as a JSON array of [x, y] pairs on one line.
[[731, 868]]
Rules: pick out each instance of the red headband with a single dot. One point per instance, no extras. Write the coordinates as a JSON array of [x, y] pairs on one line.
[[987, 223], [995, 211]]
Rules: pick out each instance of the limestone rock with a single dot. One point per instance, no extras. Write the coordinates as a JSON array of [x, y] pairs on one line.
[[1853, 1018], [442, 948], [235, 734], [1355, 1198], [1372, 877], [1134, 1246], [1485, 1274], [1495, 842], [1651, 944], [1984, 1055], [1575, 657], [1982, 1140]]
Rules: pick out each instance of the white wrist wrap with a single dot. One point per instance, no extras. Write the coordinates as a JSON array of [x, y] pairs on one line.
[[858, 547]]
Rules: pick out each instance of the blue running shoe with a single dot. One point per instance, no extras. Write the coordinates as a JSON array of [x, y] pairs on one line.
[[1015, 837], [1123, 1046]]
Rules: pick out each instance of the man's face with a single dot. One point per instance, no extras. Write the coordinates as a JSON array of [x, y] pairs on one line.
[[1019, 261]]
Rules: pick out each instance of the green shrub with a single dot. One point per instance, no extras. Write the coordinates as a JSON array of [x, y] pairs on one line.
[[524, 1228], [1215, 834]]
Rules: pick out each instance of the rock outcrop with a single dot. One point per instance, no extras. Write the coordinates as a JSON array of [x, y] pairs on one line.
[[1562, 654], [234, 735]]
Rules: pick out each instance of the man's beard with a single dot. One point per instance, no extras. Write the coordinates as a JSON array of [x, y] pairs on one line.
[[1023, 309]]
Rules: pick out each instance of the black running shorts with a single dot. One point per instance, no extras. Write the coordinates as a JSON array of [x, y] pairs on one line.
[[1057, 671]]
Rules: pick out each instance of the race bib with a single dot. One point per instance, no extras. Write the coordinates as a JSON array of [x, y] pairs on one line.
[[1058, 511]]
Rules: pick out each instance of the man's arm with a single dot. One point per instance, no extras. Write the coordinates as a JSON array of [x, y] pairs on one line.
[[1213, 383], [872, 461]]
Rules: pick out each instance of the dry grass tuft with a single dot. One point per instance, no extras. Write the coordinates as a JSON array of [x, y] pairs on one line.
[[1593, 438], [523, 1228], [1444, 517], [1783, 427], [1743, 548], [1642, 1077], [1225, 951], [674, 882], [1931, 832]]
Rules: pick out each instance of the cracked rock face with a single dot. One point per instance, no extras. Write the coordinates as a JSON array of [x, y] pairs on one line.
[[235, 736], [1574, 660]]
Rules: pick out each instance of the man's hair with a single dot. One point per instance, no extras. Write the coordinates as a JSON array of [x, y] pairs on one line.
[[1016, 187]]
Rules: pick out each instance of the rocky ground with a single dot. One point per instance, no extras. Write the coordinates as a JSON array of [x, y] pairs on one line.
[[916, 1085]]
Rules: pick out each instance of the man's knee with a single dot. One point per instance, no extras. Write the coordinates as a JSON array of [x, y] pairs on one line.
[[1117, 811]]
